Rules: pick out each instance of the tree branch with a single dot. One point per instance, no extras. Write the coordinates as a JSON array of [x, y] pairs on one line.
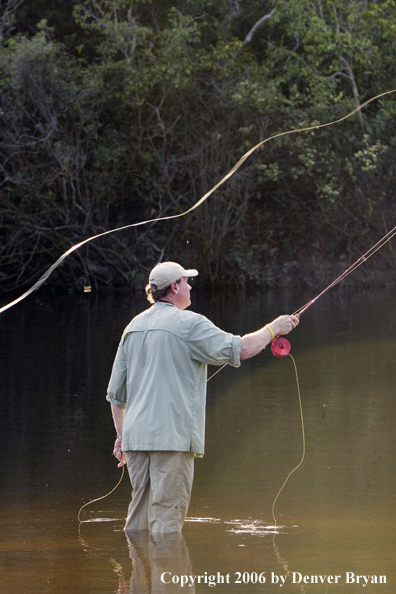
[[258, 24], [355, 90]]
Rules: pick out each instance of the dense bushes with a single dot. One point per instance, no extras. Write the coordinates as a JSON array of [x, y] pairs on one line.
[[126, 110]]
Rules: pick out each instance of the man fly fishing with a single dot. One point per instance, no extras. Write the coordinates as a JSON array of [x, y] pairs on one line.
[[157, 392]]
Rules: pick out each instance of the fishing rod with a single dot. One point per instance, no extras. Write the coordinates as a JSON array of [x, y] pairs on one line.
[[280, 347]]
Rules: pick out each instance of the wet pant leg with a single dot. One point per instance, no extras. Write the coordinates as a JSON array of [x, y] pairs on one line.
[[138, 464], [162, 484]]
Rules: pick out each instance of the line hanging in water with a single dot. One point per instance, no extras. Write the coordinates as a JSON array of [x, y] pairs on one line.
[[99, 498], [303, 443], [244, 157]]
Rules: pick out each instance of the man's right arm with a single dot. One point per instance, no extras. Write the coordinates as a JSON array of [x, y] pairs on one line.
[[116, 395], [254, 343]]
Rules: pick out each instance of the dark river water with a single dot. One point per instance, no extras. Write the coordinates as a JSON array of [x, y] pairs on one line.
[[335, 516]]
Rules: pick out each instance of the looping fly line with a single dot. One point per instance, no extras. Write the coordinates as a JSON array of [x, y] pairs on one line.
[[244, 157]]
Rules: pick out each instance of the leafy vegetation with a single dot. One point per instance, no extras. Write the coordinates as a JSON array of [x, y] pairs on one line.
[[117, 111]]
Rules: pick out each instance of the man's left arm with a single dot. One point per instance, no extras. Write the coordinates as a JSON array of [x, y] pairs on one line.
[[118, 418]]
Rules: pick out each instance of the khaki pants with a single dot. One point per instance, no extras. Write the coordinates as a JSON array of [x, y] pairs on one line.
[[161, 483]]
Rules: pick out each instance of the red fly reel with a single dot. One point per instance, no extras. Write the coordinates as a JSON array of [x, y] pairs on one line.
[[280, 347]]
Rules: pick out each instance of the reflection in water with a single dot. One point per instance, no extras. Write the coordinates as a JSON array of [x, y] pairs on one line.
[[157, 560], [252, 527], [284, 563], [162, 563], [204, 520], [337, 512]]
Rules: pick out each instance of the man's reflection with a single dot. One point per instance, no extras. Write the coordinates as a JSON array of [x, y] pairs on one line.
[[156, 556]]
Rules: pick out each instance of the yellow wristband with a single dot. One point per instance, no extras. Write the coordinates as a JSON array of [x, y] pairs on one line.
[[272, 334]]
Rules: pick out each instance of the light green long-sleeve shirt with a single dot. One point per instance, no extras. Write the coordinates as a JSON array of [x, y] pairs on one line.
[[159, 376]]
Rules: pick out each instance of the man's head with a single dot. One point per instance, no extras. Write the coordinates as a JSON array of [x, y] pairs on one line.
[[167, 281]]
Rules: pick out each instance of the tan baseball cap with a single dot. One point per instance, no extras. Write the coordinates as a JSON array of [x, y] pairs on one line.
[[166, 273]]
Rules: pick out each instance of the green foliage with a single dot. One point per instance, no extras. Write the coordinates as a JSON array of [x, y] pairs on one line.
[[133, 109]]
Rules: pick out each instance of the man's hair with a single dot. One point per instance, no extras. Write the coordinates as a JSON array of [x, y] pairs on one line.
[[154, 294]]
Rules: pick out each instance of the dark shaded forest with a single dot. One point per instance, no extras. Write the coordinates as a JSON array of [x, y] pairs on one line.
[[117, 111]]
